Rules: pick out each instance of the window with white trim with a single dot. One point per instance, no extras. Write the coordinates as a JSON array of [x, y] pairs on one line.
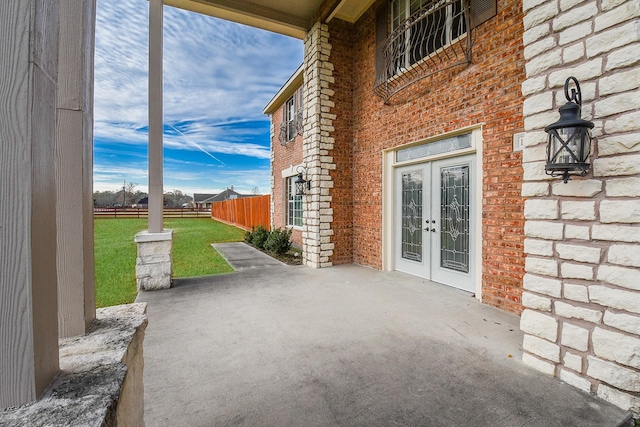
[[294, 203]]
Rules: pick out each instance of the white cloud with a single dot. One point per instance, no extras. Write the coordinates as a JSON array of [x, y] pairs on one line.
[[214, 71]]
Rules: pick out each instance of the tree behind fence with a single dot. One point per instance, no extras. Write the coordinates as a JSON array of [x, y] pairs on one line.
[[245, 212]]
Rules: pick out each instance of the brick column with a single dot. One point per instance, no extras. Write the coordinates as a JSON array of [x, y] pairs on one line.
[[317, 145], [582, 284]]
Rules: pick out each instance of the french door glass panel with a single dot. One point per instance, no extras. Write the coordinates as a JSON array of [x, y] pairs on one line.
[[434, 226]]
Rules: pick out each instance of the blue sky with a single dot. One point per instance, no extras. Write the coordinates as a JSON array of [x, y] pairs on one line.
[[218, 76]]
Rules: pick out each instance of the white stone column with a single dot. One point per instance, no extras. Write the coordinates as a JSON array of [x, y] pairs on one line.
[[581, 298], [153, 265], [28, 294], [317, 145], [74, 167]]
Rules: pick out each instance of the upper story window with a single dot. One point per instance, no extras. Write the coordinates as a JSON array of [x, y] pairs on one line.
[[423, 27], [292, 118], [418, 38]]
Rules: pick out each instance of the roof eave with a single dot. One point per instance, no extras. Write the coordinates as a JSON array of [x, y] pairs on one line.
[[286, 91]]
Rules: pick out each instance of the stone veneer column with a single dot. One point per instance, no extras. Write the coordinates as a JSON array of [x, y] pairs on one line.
[[153, 265], [582, 284], [272, 180], [317, 144]]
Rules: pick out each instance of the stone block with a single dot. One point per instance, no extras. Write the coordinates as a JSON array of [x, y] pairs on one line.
[[577, 232], [538, 247], [530, 4], [534, 154], [536, 138], [535, 189], [565, 5], [543, 266], [614, 374], [571, 311], [572, 361], [621, 211], [534, 171], [540, 209], [539, 364], [616, 233], [544, 229], [574, 292], [622, 321], [620, 399], [534, 85], [620, 82], [540, 14], [628, 255], [540, 102], [616, 347], [153, 283], [575, 337], [623, 187], [610, 4], [615, 298], [579, 253], [626, 12], [542, 63], [583, 72], [577, 15], [540, 347], [539, 324], [616, 104], [542, 285], [536, 302], [577, 188], [623, 57], [612, 38], [154, 248], [573, 53], [624, 277], [576, 271], [619, 144], [579, 211], [575, 380]]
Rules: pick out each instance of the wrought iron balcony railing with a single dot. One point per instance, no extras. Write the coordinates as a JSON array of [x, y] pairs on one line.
[[431, 40], [289, 129]]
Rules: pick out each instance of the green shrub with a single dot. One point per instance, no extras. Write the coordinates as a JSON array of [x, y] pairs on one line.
[[258, 237], [279, 241]]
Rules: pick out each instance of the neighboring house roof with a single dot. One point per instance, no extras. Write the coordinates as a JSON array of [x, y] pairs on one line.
[[201, 197], [143, 201], [226, 195], [286, 91]]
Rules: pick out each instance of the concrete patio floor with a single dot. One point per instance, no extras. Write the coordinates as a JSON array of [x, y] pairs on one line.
[[273, 345]]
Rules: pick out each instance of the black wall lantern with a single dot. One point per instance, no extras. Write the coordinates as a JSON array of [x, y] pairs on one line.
[[302, 185], [569, 142]]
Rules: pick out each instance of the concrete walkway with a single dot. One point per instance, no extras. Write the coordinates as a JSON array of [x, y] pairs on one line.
[[273, 345]]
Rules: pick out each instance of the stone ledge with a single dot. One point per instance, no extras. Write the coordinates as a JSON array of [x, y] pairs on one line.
[[145, 236], [100, 379]]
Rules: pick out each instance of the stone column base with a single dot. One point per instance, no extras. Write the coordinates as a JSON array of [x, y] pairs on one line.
[[153, 265]]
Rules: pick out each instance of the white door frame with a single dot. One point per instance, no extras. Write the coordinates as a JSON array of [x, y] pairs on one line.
[[389, 165]]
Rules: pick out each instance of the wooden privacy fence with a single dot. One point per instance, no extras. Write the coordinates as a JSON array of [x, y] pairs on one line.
[[144, 213], [245, 212]]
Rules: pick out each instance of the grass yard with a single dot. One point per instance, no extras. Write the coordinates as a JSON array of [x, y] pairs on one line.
[[115, 253]]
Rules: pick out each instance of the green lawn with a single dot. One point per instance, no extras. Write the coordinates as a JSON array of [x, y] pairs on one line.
[[115, 253]]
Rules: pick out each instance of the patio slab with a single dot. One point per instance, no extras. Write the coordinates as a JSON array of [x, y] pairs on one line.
[[343, 346]]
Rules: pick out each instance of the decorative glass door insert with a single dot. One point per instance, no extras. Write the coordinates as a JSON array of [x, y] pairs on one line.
[[434, 221]]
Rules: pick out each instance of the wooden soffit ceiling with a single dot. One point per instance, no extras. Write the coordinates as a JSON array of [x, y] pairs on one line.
[[289, 17]]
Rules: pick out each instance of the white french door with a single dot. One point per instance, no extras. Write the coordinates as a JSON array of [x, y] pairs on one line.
[[435, 221]]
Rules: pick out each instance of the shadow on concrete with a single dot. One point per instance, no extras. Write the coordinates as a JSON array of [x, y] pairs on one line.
[[343, 346]]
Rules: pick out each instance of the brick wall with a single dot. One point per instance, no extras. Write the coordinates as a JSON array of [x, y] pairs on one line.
[[282, 157], [487, 91], [582, 299]]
